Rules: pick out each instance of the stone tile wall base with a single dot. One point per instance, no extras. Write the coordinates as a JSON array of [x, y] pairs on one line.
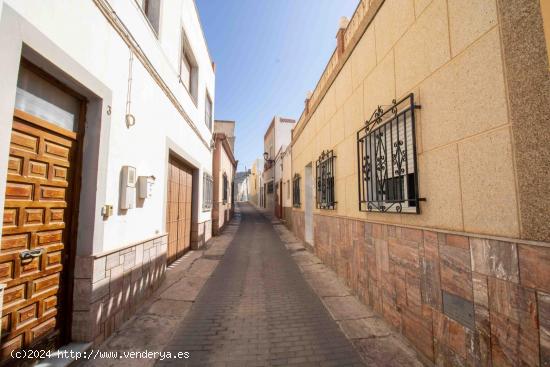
[[287, 217], [108, 289], [460, 300], [200, 234]]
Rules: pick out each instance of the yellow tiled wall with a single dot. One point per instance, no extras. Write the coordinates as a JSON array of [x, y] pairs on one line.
[[448, 54]]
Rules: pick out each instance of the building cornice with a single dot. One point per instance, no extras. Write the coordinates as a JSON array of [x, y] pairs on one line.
[[361, 21]]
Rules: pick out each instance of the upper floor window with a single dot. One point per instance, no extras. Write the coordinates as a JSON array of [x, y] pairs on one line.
[[386, 149], [208, 111], [151, 9], [188, 68]]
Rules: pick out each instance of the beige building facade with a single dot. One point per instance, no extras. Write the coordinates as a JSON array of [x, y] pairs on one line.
[[422, 159], [224, 168]]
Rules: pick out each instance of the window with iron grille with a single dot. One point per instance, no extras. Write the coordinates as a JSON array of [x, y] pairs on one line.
[[296, 191], [324, 173], [386, 151], [225, 188], [270, 187], [207, 189]]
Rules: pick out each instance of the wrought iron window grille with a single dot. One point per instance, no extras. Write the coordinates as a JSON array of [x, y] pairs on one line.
[[324, 174], [386, 157], [225, 188], [207, 191], [296, 191]]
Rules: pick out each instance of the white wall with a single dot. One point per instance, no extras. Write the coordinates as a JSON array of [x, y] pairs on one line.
[[76, 37]]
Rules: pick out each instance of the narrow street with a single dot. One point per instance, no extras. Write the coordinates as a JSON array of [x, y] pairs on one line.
[[257, 309]]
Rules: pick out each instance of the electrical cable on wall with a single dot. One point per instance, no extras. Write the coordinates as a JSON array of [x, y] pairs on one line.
[[130, 119]]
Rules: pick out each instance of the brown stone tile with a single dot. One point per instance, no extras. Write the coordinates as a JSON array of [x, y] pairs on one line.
[[512, 343], [514, 324], [455, 271], [382, 256], [513, 301], [390, 311], [495, 258], [534, 267], [413, 283], [449, 334], [411, 234], [544, 320], [404, 253], [400, 285], [418, 329], [458, 241], [379, 231], [430, 277]]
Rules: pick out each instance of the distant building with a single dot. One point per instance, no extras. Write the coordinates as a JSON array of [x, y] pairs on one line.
[[256, 183], [224, 167], [276, 139], [228, 128], [242, 186]]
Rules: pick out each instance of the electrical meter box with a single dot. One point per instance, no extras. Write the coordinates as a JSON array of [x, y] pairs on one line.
[[145, 186], [128, 188]]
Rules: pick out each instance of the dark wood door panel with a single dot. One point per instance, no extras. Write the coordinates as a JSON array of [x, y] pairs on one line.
[[37, 213], [178, 220]]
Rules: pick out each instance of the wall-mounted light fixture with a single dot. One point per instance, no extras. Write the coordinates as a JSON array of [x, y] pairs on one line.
[[267, 159]]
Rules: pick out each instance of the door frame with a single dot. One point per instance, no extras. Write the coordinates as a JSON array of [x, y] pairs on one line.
[[308, 205], [172, 155]]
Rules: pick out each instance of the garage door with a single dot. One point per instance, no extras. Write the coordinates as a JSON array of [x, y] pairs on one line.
[[178, 222]]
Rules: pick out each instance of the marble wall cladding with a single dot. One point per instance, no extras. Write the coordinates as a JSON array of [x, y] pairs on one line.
[[200, 234], [461, 300], [298, 224], [287, 217], [108, 288]]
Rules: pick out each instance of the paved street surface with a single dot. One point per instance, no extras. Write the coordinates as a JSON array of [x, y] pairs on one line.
[[257, 309]]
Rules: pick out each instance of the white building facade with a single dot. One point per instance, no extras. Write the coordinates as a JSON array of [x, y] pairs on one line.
[[277, 137], [106, 111]]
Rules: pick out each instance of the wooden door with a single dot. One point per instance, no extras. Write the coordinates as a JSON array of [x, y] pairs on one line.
[[178, 219], [36, 234]]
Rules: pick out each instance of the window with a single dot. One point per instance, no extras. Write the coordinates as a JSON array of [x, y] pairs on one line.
[[325, 180], [225, 188], [185, 72], [151, 9], [296, 191], [207, 185], [208, 111], [188, 68], [386, 149], [270, 187]]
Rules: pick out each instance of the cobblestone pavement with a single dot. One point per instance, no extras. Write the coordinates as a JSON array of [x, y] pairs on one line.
[[258, 310]]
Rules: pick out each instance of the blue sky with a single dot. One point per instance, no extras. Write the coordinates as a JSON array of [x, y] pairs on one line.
[[268, 54]]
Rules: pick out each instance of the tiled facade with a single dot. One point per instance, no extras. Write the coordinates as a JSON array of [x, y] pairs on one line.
[[109, 287], [200, 234], [461, 300]]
